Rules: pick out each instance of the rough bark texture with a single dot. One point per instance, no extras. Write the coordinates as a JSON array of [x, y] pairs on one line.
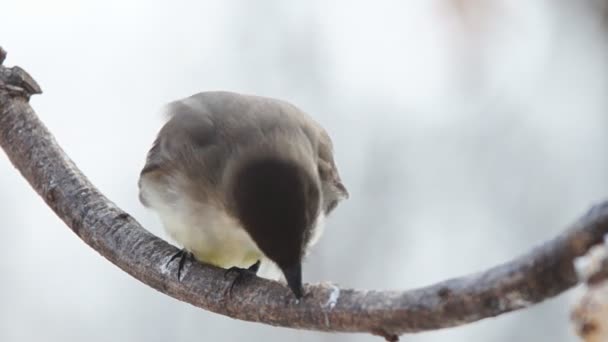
[[540, 274]]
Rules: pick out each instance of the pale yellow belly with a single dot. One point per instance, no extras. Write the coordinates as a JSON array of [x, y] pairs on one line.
[[210, 235]]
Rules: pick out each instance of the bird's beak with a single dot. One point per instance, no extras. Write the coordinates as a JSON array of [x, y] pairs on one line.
[[293, 275]]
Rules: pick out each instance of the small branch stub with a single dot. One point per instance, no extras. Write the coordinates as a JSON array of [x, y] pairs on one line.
[[16, 81]]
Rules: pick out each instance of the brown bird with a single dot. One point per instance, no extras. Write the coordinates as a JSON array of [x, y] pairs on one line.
[[241, 181]]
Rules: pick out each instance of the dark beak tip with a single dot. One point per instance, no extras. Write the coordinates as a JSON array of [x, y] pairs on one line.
[[297, 291], [293, 275]]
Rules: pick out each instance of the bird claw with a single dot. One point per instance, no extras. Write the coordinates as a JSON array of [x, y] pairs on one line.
[[183, 255], [241, 274]]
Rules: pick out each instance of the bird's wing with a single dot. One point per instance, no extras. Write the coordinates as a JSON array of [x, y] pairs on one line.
[[333, 188], [186, 140]]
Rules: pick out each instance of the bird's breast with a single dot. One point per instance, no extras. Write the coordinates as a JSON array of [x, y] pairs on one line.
[[201, 228], [211, 235]]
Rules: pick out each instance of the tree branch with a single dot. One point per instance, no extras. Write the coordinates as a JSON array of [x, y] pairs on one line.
[[540, 274]]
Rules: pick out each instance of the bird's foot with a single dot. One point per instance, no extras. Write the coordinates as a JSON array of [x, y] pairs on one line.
[[183, 256], [241, 274]]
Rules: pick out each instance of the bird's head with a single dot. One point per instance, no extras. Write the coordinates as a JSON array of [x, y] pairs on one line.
[[277, 202]]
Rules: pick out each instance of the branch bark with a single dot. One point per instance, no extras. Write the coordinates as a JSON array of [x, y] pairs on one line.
[[541, 273]]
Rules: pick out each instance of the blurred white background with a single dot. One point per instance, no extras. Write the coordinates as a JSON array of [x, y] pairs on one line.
[[467, 131]]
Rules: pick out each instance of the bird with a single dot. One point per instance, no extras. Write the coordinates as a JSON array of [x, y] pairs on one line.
[[243, 182]]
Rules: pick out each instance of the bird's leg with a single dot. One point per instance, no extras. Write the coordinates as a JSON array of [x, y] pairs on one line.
[[183, 255], [255, 267], [241, 273]]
